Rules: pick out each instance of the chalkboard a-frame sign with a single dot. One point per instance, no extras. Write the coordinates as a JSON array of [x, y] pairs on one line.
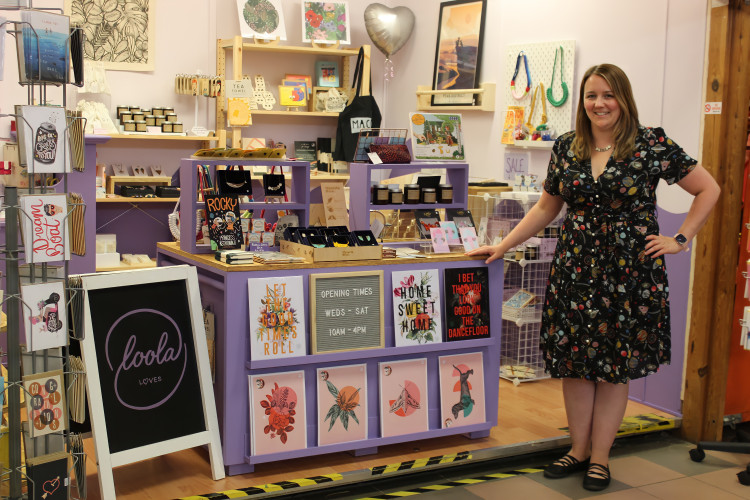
[[149, 383], [346, 311]]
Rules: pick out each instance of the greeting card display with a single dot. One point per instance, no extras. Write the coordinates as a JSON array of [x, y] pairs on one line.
[[416, 307], [277, 317], [45, 233], [42, 47], [462, 400], [277, 412], [45, 402], [43, 141], [426, 220], [261, 19], [342, 404], [48, 476], [44, 315], [467, 303], [224, 227], [403, 397]]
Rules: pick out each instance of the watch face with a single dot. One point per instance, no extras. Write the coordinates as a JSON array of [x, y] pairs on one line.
[[680, 238]]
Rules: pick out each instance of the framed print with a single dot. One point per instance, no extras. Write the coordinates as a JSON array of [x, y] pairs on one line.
[[325, 22], [261, 19], [459, 50], [437, 136]]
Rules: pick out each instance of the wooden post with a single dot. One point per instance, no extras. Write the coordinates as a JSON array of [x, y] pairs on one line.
[[716, 248], [221, 118]]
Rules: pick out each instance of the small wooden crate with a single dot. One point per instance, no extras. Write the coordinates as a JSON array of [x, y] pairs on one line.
[[329, 254]]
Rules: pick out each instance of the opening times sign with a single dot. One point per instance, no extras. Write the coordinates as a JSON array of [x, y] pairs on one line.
[[347, 311]]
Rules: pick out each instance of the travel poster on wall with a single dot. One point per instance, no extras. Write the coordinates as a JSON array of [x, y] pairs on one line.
[[403, 397], [43, 140], [44, 315], [277, 317], [45, 402], [462, 400], [45, 233], [224, 226], [416, 307], [48, 476], [342, 404], [277, 412], [467, 303]]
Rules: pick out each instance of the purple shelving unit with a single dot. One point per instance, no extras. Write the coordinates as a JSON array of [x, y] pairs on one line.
[[298, 192], [224, 289], [361, 179]]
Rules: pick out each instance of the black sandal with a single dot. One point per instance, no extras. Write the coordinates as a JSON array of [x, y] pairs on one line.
[[565, 466], [597, 477]]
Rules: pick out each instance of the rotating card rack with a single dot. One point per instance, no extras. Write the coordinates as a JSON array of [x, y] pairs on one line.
[[48, 359]]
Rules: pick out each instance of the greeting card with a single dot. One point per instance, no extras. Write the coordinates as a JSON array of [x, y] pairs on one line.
[[48, 476], [277, 317], [224, 226], [45, 233], [45, 402], [342, 404], [469, 238], [44, 315], [327, 73], [403, 397], [43, 53], [439, 240], [467, 303], [416, 307], [44, 146], [451, 232], [462, 400], [277, 412]]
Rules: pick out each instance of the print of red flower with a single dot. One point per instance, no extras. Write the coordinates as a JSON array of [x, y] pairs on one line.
[[280, 409]]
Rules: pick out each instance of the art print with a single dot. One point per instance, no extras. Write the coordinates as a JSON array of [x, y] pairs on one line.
[[342, 404], [45, 315], [43, 139], [277, 318], [459, 50], [467, 302], [325, 22], [462, 398], [403, 397], [45, 232], [277, 412], [120, 35], [437, 136], [416, 307], [261, 19], [45, 402]]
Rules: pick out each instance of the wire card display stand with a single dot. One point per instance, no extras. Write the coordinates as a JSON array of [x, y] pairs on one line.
[[14, 471]]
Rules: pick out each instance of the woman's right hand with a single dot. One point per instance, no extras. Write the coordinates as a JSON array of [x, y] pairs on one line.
[[493, 251]]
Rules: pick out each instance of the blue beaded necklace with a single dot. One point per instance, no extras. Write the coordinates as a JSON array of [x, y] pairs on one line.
[[515, 74]]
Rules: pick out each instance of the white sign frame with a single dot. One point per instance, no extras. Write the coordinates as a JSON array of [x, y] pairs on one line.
[[106, 460]]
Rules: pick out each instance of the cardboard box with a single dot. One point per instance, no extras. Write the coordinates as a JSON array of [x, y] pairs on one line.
[[331, 254]]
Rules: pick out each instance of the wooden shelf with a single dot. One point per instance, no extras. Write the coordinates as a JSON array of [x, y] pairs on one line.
[[147, 137], [160, 180], [319, 114], [228, 43], [126, 199], [485, 98], [125, 267], [532, 144]]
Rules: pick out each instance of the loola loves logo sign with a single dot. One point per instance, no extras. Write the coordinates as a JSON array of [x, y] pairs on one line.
[[146, 354]]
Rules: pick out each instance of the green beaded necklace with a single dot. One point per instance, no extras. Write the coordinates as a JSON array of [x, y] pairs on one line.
[[564, 85]]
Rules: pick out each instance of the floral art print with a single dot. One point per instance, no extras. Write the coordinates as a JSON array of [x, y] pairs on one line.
[[342, 404], [326, 22], [416, 307], [261, 18], [277, 412], [277, 318]]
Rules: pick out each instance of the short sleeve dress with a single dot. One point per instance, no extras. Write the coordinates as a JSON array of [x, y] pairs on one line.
[[606, 309]]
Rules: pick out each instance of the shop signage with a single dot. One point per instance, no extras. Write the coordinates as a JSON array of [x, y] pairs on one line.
[[346, 311]]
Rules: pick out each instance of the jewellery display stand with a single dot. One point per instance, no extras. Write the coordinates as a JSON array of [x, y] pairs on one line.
[[43, 360]]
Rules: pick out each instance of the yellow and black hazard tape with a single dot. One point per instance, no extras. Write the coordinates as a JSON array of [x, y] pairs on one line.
[[642, 424], [422, 462], [453, 484], [266, 488]]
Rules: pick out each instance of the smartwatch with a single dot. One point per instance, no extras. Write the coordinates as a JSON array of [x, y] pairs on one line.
[[680, 238]]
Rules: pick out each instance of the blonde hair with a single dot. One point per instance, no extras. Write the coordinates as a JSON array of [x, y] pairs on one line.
[[626, 127]]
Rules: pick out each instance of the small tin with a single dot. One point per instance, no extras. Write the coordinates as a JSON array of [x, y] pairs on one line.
[[412, 194], [145, 111], [135, 109], [380, 194], [121, 110], [429, 195], [157, 111], [140, 125], [159, 120], [168, 111], [150, 120], [395, 196], [126, 116], [166, 127], [128, 125], [171, 117], [445, 193], [177, 127], [139, 116]]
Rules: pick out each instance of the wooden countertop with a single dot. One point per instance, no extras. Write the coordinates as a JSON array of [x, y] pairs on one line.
[[207, 259]]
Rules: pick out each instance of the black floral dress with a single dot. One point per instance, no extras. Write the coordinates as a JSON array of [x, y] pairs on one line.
[[606, 310]]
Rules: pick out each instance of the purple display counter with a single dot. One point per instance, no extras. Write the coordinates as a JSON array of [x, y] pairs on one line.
[[224, 289]]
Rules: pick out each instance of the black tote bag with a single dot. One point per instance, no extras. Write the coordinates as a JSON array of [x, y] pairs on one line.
[[361, 113]]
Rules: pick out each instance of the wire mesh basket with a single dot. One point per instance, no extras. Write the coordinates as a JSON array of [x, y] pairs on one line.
[[521, 359]]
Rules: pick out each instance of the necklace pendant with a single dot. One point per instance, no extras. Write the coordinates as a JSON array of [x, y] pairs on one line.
[[604, 149]]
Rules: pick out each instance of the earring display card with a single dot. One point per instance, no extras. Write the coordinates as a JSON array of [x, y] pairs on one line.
[[439, 240], [45, 233], [334, 204], [426, 220]]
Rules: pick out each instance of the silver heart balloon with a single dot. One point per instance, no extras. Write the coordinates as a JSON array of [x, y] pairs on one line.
[[389, 29]]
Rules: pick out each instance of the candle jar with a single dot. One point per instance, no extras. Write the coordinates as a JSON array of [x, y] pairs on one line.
[[532, 252], [412, 194], [166, 127], [150, 120], [140, 125], [429, 195], [159, 120], [138, 116], [445, 193], [121, 110], [168, 111], [380, 194], [128, 125], [126, 116], [395, 196], [157, 111], [135, 109], [520, 251], [171, 117], [177, 127], [45, 143]]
